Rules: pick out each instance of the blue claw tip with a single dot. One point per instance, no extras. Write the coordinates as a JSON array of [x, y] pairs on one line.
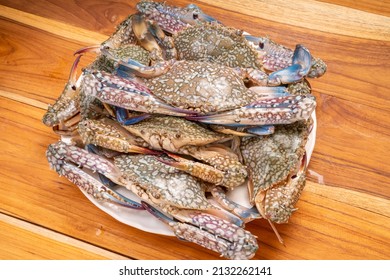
[[261, 130], [123, 118]]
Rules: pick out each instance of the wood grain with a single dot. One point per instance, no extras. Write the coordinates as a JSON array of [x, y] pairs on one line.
[[344, 217], [346, 21], [30, 56], [52, 26], [19, 237]]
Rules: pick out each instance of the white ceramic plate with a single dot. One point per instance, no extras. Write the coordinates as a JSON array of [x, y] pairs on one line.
[[144, 221]]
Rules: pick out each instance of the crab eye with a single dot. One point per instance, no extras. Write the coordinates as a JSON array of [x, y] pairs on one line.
[[261, 45], [73, 87], [195, 16]]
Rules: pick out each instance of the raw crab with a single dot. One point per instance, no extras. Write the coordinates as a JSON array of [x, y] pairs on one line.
[[176, 135], [188, 88], [173, 18], [214, 42], [178, 194], [277, 167], [64, 114], [221, 45]]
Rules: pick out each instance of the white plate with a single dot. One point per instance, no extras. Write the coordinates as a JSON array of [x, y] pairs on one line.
[[144, 221]]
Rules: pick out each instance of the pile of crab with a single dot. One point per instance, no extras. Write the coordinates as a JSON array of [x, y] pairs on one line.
[[180, 110]]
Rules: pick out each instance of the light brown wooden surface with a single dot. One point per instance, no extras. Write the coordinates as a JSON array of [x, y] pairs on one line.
[[344, 211]]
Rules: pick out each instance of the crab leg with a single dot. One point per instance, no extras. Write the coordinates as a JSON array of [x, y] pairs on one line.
[[124, 93], [152, 38], [94, 48], [58, 154], [68, 104], [246, 214], [212, 233], [132, 66], [123, 35], [245, 131], [283, 110]]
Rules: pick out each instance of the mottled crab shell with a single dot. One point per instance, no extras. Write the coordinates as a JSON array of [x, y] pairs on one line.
[[279, 201], [135, 52], [173, 133], [201, 86], [216, 43], [164, 183], [272, 158]]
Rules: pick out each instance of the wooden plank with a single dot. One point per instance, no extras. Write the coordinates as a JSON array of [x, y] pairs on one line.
[[337, 229], [21, 240], [345, 218], [352, 146], [100, 17], [52, 26], [319, 16], [23, 99], [326, 228], [35, 64], [379, 7]]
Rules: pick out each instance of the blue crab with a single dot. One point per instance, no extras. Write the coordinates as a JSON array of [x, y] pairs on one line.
[[277, 170], [177, 194], [277, 167], [226, 45], [201, 91], [64, 114], [219, 165]]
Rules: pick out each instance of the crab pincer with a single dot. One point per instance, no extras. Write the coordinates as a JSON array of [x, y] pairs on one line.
[[108, 134], [267, 111], [212, 233], [220, 170], [63, 158], [125, 93], [276, 57]]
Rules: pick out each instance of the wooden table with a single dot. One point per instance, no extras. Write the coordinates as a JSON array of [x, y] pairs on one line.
[[344, 211]]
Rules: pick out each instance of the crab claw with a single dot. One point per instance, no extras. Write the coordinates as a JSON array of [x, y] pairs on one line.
[[246, 214], [223, 169], [107, 134], [212, 233], [268, 111], [122, 116], [60, 156], [301, 64], [125, 93], [261, 130], [196, 169]]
